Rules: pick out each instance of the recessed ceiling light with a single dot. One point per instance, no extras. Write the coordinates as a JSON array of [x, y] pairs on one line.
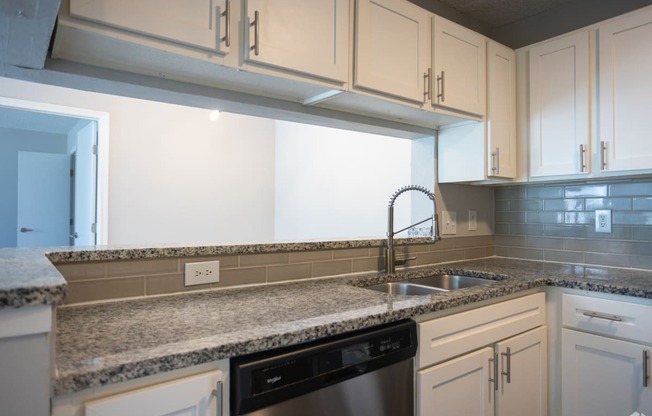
[[214, 115]]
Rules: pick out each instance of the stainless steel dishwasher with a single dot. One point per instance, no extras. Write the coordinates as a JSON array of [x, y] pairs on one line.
[[367, 372]]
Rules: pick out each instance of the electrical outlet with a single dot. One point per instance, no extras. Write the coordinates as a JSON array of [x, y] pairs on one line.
[[473, 220], [201, 273], [449, 222], [603, 221]]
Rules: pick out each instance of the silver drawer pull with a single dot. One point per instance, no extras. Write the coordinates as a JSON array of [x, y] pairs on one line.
[[217, 392], [646, 360], [508, 356], [603, 316], [494, 380]]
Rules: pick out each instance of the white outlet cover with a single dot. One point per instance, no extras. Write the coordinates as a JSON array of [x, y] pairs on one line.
[[449, 222], [603, 221], [201, 273]]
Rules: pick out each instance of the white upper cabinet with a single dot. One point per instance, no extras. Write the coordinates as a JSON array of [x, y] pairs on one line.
[[459, 67], [625, 91], [306, 36], [501, 111], [392, 49], [559, 106], [486, 149], [202, 24]]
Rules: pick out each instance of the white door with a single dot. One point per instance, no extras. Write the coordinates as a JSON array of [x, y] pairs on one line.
[[191, 396], [308, 36], [523, 374], [392, 49], [459, 58], [198, 23], [85, 186], [603, 376], [501, 111], [43, 199], [457, 387], [625, 65], [559, 106]]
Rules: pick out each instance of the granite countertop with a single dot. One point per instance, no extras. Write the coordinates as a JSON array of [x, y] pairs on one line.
[[111, 342], [28, 276]]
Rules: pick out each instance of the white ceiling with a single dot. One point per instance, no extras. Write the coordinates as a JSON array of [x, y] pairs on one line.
[[33, 121]]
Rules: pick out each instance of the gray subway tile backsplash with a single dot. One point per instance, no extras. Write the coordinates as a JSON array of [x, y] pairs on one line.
[[560, 223]]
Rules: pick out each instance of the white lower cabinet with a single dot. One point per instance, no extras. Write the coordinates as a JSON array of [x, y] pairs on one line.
[[199, 395], [606, 348], [499, 363]]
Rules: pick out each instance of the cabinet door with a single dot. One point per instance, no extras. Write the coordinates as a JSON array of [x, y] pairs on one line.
[[199, 23], [523, 375], [501, 111], [458, 387], [307, 36], [559, 106], [603, 376], [392, 48], [197, 395], [460, 67], [625, 65]]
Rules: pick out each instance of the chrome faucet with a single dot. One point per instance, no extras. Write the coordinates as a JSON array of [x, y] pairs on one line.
[[390, 261]]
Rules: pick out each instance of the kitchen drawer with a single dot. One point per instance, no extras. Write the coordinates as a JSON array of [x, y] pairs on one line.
[[454, 335], [609, 317]]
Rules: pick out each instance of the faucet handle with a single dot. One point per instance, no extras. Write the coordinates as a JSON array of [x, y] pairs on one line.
[[403, 261]]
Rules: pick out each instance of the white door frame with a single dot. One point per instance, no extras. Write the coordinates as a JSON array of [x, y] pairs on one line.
[[102, 119]]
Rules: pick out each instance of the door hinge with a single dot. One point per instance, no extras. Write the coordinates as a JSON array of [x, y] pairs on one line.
[[72, 172], [94, 149], [93, 228]]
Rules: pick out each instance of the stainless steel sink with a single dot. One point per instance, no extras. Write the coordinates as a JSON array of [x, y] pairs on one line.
[[405, 288], [451, 281], [429, 285]]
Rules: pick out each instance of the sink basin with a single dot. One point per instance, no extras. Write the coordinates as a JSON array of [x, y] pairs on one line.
[[451, 281], [405, 288], [429, 285]]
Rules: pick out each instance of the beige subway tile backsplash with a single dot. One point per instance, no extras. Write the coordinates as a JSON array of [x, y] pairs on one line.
[[289, 272], [331, 268], [264, 259], [103, 289], [142, 267], [82, 270]]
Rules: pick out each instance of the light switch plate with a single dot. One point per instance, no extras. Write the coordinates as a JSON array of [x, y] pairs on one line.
[[449, 222], [473, 220]]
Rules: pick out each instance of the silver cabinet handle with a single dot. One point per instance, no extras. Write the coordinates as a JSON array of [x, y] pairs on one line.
[[495, 160], [582, 158], [427, 85], [217, 392], [646, 360], [440, 83], [603, 316], [256, 25], [227, 24], [508, 373], [25, 230], [603, 155], [495, 371]]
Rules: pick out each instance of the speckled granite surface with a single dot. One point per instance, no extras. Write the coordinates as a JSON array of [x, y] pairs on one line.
[[28, 278], [112, 342]]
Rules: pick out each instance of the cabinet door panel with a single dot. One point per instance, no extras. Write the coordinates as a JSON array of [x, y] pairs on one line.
[[189, 396], [461, 55], [198, 23], [559, 105], [501, 111], [602, 376], [526, 391], [625, 66], [457, 387], [308, 36], [392, 48]]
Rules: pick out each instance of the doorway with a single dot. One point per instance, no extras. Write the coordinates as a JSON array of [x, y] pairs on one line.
[[53, 175]]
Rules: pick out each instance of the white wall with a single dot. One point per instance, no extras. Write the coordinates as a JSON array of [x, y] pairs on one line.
[[335, 184], [11, 142], [162, 156]]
